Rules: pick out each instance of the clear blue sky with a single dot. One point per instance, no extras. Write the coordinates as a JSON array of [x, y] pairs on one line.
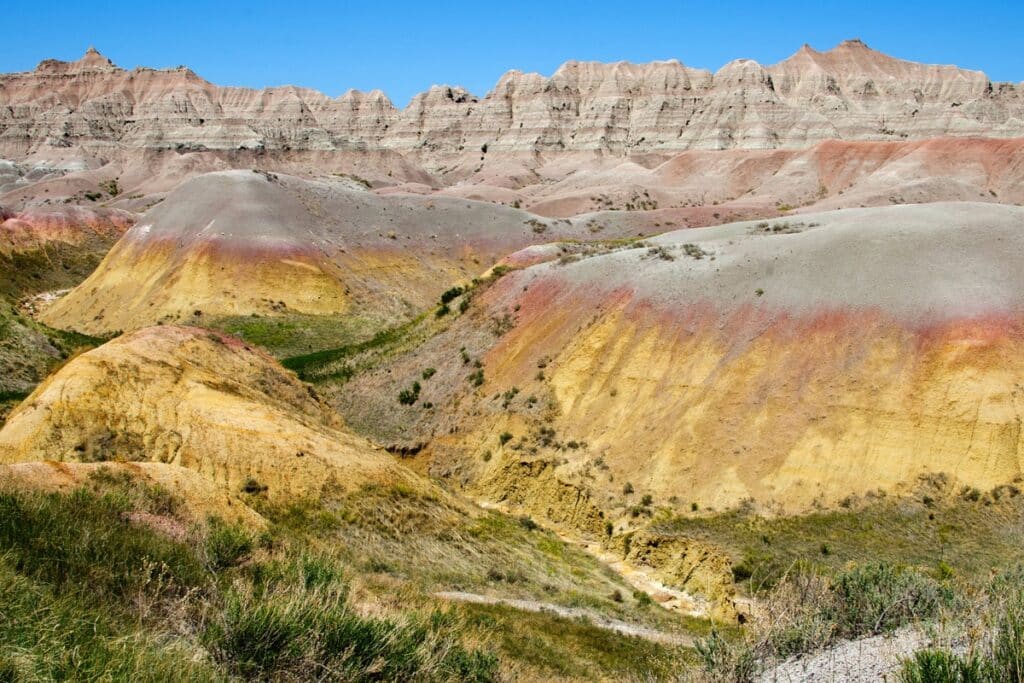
[[404, 47]]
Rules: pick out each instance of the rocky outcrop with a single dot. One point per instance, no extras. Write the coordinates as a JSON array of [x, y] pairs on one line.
[[850, 92], [689, 564]]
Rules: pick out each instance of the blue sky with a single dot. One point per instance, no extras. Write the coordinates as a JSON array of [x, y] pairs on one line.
[[404, 47]]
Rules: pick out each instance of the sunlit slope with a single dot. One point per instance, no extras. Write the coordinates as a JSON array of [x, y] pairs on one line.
[[799, 361], [201, 401]]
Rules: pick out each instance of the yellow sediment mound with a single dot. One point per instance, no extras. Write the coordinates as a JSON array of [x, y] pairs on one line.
[[138, 284], [201, 401], [812, 411]]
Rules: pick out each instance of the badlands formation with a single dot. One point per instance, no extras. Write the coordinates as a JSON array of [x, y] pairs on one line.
[[774, 361], [850, 92], [849, 125], [660, 311], [241, 242]]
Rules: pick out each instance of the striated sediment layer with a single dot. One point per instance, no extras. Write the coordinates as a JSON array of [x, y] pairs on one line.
[[850, 92], [791, 362], [242, 242]]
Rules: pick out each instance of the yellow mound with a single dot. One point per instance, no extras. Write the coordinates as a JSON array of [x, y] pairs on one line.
[[139, 284], [809, 412], [198, 400]]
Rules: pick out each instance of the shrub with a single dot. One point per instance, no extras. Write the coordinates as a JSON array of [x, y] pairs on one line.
[[225, 545], [409, 396], [726, 662], [939, 666], [451, 294], [878, 598], [797, 615], [627, 489], [504, 438], [1000, 657], [253, 487], [528, 523], [428, 373]]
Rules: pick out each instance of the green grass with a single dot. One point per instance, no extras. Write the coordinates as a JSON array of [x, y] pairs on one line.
[[997, 656], [29, 351], [573, 648], [48, 633], [338, 364], [86, 594], [71, 567], [953, 534], [57, 266], [294, 621], [294, 334], [431, 545], [322, 364], [82, 537], [806, 611]]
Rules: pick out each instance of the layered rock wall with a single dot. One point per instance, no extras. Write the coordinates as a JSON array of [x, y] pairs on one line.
[[850, 92]]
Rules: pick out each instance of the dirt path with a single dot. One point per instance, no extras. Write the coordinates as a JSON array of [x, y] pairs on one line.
[[573, 612], [877, 658]]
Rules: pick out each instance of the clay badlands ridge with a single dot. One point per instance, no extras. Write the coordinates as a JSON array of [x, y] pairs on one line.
[[778, 288]]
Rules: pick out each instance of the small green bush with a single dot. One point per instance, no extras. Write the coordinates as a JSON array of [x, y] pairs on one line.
[[642, 598], [451, 294], [939, 666], [878, 598], [528, 523], [225, 545], [409, 396], [726, 662]]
